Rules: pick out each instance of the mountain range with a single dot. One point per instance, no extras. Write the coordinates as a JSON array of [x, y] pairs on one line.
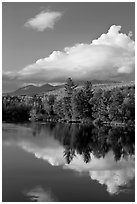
[[32, 90]]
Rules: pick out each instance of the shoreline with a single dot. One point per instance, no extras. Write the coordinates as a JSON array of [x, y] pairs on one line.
[[84, 122]]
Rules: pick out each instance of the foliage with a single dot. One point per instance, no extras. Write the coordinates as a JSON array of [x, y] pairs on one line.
[[15, 112], [82, 107], [68, 104], [85, 104], [117, 105]]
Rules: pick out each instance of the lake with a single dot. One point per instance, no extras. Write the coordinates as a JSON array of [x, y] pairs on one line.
[[67, 163]]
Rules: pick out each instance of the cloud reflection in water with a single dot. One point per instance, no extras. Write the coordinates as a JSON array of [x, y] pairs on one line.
[[38, 194], [114, 179], [46, 146]]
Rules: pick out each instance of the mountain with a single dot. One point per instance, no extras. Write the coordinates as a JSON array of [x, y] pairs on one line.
[[32, 90]]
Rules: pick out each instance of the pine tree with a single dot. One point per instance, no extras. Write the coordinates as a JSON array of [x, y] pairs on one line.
[[68, 106]]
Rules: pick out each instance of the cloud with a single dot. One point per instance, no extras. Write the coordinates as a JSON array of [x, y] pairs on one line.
[[40, 195], [43, 20], [111, 55], [114, 179], [8, 75]]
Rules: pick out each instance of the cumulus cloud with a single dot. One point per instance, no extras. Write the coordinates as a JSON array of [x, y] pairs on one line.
[[111, 55], [43, 20]]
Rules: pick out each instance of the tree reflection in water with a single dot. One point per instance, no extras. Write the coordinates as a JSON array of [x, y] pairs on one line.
[[86, 139], [85, 148]]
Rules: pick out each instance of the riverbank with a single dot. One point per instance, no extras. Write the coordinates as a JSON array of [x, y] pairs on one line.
[[96, 122], [86, 121]]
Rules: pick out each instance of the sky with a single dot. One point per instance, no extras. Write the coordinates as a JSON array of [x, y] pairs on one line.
[[49, 42]]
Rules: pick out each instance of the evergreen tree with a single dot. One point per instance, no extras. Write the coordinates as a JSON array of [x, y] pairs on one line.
[[69, 89]]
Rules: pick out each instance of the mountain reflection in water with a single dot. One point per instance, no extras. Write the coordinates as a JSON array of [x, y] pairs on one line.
[[105, 153]]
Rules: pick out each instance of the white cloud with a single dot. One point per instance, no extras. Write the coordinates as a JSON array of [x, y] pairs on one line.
[[8, 75], [116, 39], [111, 55], [44, 20]]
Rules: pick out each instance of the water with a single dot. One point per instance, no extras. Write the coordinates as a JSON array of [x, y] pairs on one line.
[[65, 163]]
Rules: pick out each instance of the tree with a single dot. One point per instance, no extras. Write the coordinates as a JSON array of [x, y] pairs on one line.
[[49, 104], [88, 94], [58, 109], [78, 104], [69, 89]]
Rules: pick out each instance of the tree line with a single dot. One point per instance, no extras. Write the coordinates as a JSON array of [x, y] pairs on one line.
[[84, 104]]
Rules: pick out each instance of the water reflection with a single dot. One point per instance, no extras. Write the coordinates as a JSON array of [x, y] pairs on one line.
[[38, 194], [105, 153], [85, 140], [115, 180]]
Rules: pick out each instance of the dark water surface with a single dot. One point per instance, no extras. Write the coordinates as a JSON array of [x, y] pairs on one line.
[[65, 162]]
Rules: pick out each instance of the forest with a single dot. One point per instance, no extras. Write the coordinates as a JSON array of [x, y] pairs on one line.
[[80, 105]]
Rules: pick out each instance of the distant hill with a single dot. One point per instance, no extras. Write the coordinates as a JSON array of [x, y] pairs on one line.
[[97, 81], [32, 90]]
